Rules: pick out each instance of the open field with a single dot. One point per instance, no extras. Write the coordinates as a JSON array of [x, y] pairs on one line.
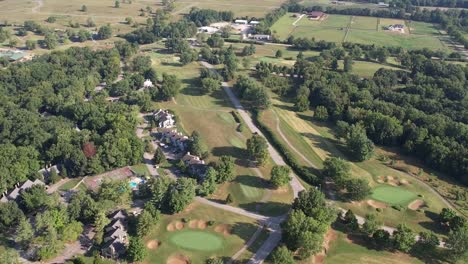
[[309, 136], [366, 68], [211, 116], [240, 8], [345, 250], [228, 233], [366, 30]]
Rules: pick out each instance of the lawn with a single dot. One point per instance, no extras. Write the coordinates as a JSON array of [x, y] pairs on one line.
[[421, 28], [320, 33], [367, 68], [335, 21], [70, 184], [240, 8], [393, 195], [227, 234], [368, 23]]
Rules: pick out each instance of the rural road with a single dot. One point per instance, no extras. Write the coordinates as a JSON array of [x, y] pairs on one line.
[[148, 157]]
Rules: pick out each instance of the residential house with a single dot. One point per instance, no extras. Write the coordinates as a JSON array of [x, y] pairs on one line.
[[14, 55], [315, 15], [47, 171], [241, 21], [13, 194], [195, 164], [115, 237], [260, 37], [174, 138], [397, 28], [208, 30], [148, 84], [164, 119], [254, 22]]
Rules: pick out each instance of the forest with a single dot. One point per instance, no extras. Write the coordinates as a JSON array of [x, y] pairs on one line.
[[50, 115]]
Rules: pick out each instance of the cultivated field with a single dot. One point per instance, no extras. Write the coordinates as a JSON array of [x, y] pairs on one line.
[[366, 30]]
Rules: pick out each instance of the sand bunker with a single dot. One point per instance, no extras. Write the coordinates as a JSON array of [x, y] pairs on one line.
[[281, 190], [152, 244], [394, 181], [376, 204], [405, 182], [170, 227], [416, 204], [178, 259], [201, 224], [179, 225], [381, 179], [223, 229], [193, 224]]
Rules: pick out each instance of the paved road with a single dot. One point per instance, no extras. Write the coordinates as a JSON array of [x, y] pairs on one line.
[[148, 157]]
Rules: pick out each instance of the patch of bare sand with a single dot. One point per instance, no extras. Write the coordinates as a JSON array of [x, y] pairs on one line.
[[416, 204], [179, 225], [223, 229], [178, 259], [281, 190], [376, 204], [329, 237], [193, 224], [170, 227], [405, 182], [153, 244], [381, 179], [201, 224]]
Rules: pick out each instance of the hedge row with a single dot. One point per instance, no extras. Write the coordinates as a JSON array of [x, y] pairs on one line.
[[301, 171], [244, 41]]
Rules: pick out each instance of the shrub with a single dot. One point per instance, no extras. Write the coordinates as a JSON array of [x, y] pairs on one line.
[[240, 128]]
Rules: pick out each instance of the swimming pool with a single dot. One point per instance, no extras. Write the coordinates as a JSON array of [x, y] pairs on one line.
[[133, 184]]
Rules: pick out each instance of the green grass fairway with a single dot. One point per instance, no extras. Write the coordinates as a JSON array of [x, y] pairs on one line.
[[393, 195], [197, 240]]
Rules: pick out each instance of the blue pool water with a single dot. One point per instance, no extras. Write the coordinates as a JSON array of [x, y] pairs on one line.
[[133, 184]]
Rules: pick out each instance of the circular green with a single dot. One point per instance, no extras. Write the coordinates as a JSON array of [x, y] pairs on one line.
[[393, 195], [197, 240]]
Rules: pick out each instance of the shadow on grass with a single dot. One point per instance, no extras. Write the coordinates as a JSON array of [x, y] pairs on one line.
[[267, 208], [253, 181], [243, 230], [285, 107], [235, 152]]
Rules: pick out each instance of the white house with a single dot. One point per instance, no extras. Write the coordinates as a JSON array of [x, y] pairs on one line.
[[260, 37], [241, 21], [175, 138], [148, 84], [164, 119], [254, 22], [397, 27], [208, 30]]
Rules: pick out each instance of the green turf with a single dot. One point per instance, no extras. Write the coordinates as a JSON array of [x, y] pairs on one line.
[[70, 184], [393, 195], [197, 240]]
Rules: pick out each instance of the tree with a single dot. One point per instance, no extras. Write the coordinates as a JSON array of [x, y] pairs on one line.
[[428, 241], [257, 148], [197, 146], [117, 191], [136, 249], [281, 255], [446, 215], [214, 261], [83, 35], [31, 44], [34, 198], [280, 175], [348, 64], [334, 64], [312, 203], [229, 199], [209, 85], [215, 41], [403, 238], [225, 168], [145, 222], [51, 40], [84, 8], [279, 54], [457, 243], [381, 239], [159, 156], [13, 42], [336, 169], [170, 86], [360, 146], [9, 256], [90, 22], [350, 221], [105, 32], [208, 186], [181, 194], [321, 113], [302, 99], [100, 221], [357, 189], [117, 4], [371, 224], [24, 232]]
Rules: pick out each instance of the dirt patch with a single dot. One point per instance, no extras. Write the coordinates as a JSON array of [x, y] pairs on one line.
[[223, 229], [178, 259], [179, 225], [193, 224], [281, 190], [416, 204], [404, 182], [329, 237], [153, 244], [190, 207], [381, 179], [201, 224], [170, 227], [376, 204]]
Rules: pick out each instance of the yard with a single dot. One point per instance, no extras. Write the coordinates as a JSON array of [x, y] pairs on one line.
[[198, 233]]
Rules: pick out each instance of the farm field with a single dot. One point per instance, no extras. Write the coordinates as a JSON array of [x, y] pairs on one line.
[[320, 143], [366, 30], [240, 8], [218, 128], [198, 233]]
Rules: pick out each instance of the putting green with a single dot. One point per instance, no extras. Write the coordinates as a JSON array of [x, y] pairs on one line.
[[197, 240], [393, 195]]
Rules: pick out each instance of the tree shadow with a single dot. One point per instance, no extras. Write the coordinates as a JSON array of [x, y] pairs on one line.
[[172, 64], [286, 107], [243, 230], [269, 208], [233, 151], [253, 181]]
